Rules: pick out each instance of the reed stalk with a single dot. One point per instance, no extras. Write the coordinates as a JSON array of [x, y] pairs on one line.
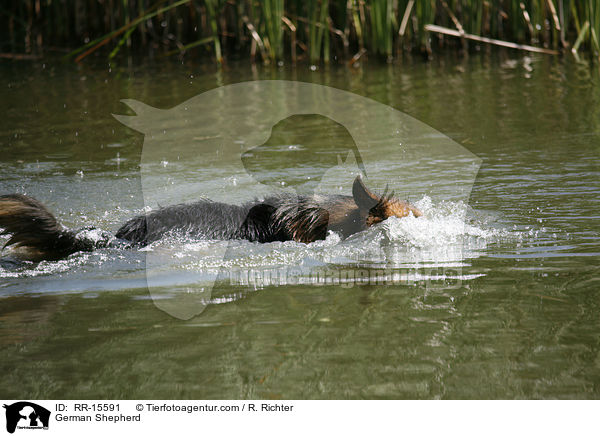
[[313, 30]]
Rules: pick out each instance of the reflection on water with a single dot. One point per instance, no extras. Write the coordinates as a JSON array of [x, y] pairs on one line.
[[500, 302]]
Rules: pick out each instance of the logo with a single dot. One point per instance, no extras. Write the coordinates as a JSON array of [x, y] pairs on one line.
[[277, 139], [26, 415]]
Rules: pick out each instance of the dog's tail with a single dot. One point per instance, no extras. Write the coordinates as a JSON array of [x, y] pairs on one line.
[[36, 232]]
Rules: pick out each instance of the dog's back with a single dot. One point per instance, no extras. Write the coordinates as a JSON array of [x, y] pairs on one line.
[[204, 219]]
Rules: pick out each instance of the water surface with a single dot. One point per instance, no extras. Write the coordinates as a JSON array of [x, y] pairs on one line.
[[500, 302]]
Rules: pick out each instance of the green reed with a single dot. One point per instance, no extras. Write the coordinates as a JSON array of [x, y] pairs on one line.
[[382, 25], [273, 13], [310, 30]]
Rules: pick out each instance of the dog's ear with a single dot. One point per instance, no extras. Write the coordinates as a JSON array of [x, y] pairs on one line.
[[363, 198]]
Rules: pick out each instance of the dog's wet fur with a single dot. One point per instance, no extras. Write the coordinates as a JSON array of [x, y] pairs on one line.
[[39, 236]]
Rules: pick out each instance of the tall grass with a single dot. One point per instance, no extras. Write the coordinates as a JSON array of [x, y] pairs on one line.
[[272, 30], [382, 25]]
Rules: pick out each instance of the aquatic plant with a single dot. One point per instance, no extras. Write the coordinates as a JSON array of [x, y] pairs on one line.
[[311, 30]]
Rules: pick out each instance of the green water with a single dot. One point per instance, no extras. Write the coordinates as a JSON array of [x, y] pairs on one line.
[[523, 323]]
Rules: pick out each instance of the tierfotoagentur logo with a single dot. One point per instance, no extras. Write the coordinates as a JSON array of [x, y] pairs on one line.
[[314, 153], [25, 415]]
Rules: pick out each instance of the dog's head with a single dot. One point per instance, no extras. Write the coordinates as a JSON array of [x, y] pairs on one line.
[[378, 208]]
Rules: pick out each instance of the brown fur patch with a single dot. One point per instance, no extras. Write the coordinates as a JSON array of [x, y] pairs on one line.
[[391, 207], [11, 207], [32, 228], [310, 232], [400, 209]]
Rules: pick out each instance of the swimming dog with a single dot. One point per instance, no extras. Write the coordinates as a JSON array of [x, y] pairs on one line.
[[39, 236]]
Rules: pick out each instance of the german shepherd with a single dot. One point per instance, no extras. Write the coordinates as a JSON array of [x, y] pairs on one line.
[[39, 236]]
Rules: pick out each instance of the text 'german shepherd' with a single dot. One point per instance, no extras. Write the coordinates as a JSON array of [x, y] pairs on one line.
[[39, 236]]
